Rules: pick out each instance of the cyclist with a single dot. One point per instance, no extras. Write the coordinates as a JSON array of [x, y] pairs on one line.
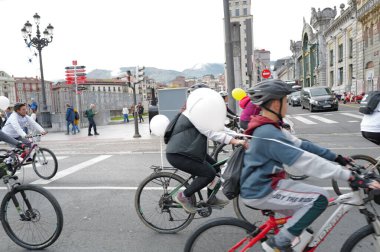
[[19, 120], [187, 151], [263, 183], [249, 109], [230, 113]]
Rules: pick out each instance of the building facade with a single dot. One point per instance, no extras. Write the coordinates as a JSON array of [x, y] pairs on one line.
[[340, 48], [262, 61], [7, 87], [368, 41], [242, 42]]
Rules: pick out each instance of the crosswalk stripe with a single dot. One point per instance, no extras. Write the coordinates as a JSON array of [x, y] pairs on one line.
[[304, 120], [72, 169], [352, 115], [322, 119]]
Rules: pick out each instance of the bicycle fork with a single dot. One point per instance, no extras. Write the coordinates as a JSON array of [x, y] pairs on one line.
[[22, 214]]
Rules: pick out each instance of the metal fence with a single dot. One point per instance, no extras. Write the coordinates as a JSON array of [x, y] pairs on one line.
[[108, 105]]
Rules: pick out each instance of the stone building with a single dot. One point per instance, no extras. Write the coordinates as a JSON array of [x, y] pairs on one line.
[[340, 51], [262, 61], [368, 41], [242, 42], [7, 87]]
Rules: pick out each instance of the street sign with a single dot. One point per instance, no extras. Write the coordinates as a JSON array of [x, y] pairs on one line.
[[73, 67], [75, 62], [266, 73], [81, 74], [81, 81], [77, 70]]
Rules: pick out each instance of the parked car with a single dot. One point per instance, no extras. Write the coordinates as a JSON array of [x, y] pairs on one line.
[[294, 99], [318, 98]]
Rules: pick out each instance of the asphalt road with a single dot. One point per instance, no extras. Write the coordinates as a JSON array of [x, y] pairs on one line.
[[96, 185]]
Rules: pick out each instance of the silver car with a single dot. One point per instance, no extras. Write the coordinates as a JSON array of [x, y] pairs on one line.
[[294, 99]]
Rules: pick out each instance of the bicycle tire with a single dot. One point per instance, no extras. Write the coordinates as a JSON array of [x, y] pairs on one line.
[[352, 241], [5, 211], [248, 214], [139, 210], [39, 170], [222, 239], [366, 158]]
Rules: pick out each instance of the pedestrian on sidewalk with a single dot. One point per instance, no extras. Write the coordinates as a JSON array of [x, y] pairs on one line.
[[125, 113], [90, 113], [140, 111], [76, 121], [70, 116]]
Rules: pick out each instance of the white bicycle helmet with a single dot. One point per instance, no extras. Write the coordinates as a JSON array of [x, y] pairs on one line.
[[223, 93]]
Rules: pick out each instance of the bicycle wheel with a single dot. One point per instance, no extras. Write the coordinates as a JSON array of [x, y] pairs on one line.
[[247, 213], [361, 241], [363, 160], [41, 221], [45, 163], [221, 234], [155, 206]]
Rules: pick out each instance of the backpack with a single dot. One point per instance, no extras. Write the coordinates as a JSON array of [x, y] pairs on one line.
[[369, 102], [231, 175], [76, 115], [170, 128]]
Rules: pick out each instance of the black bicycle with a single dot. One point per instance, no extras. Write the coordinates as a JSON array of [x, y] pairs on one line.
[[30, 214], [155, 205]]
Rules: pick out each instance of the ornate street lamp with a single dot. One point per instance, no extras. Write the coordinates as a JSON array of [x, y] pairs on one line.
[[39, 42]]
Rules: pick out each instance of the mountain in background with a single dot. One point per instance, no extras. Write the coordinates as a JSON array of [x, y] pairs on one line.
[[161, 75]]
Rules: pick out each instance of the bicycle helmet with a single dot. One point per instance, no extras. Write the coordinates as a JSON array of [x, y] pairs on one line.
[[18, 105], [269, 90], [196, 86], [223, 93]]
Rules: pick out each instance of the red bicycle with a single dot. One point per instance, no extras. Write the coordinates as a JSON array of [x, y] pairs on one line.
[[231, 234]]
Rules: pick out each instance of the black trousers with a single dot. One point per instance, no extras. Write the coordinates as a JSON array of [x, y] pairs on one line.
[[374, 137], [91, 123], [204, 171]]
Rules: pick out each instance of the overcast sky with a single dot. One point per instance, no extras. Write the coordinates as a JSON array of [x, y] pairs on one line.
[[168, 34]]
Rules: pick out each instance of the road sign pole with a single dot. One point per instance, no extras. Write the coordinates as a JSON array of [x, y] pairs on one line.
[[76, 89]]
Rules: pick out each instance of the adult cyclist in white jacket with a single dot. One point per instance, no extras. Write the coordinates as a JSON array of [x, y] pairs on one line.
[[19, 120]]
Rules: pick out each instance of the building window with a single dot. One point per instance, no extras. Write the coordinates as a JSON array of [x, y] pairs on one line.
[[340, 82], [114, 89], [350, 72], [93, 88], [340, 53], [350, 47], [245, 2], [371, 35], [245, 12], [331, 57], [331, 78], [118, 89], [98, 88], [104, 89], [109, 89], [366, 37], [237, 12], [236, 3]]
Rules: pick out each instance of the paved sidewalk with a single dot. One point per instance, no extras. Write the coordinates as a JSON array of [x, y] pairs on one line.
[[123, 131]]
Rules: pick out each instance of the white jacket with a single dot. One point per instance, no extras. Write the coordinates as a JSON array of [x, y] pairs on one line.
[[125, 111], [15, 124]]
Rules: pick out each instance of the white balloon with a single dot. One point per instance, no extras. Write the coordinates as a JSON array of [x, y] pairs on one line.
[[4, 102], [158, 125], [206, 109]]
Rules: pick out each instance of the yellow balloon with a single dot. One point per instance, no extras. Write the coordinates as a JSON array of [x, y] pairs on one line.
[[238, 94]]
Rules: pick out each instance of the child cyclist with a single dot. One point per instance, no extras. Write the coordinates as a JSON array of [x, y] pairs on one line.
[[263, 183]]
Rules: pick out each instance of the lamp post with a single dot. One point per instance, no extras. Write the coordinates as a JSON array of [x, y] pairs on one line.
[[133, 86], [39, 43]]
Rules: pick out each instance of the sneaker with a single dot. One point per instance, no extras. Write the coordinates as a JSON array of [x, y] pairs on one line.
[[270, 246], [185, 202], [96, 134], [215, 201], [89, 134]]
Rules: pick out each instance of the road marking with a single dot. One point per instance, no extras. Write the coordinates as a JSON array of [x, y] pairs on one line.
[[353, 121], [304, 120], [322, 119], [352, 115], [133, 188], [72, 169]]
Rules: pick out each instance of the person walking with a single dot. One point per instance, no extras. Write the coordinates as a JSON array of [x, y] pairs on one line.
[[70, 116], [140, 111], [76, 121], [90, 113], [125, 113]]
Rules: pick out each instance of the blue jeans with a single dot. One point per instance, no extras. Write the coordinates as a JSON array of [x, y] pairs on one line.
[[126, 117], [68, 126], [75, 129]]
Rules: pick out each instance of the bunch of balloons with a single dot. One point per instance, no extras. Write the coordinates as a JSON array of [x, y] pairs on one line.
[[238, 94], [4, 102]]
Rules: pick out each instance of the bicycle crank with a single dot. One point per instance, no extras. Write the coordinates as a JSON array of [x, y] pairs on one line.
[[203, 209]]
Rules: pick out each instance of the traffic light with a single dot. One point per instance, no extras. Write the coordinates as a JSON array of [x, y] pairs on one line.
[[140, 74]]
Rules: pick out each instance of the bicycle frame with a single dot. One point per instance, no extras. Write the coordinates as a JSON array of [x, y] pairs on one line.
[[346, 202]]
